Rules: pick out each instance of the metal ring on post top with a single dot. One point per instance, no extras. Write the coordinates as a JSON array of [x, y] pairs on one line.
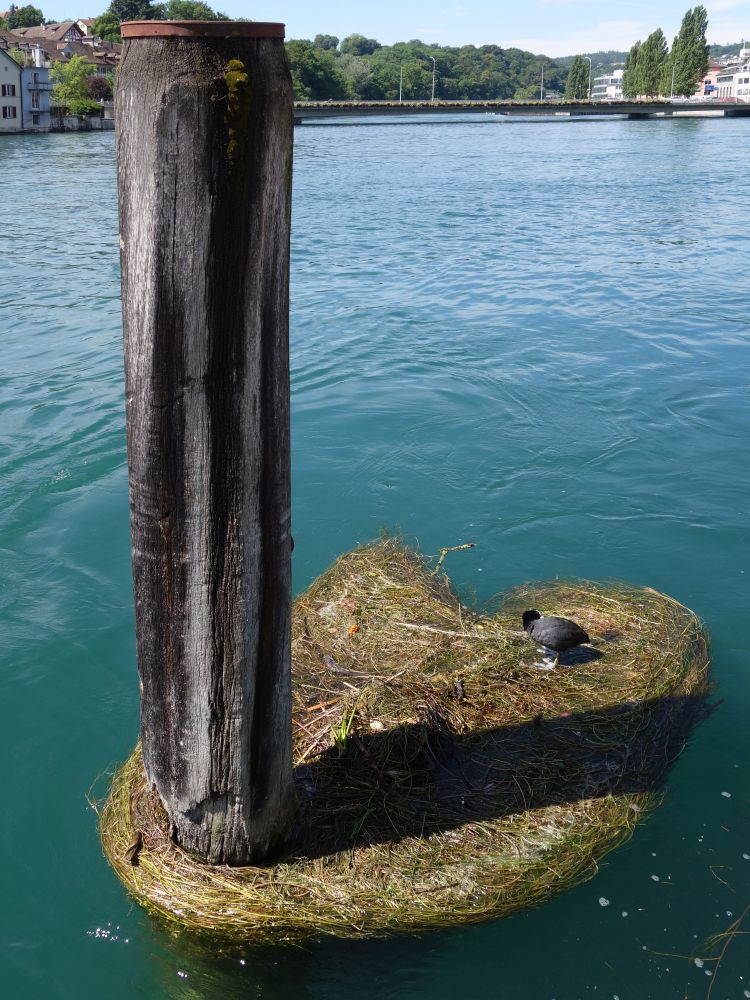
[[201, 29]]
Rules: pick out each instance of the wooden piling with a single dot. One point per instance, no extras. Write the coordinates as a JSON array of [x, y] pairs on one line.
[[204, 156]]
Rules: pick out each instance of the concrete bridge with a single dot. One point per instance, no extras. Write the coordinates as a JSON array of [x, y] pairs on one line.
[[319, 111]]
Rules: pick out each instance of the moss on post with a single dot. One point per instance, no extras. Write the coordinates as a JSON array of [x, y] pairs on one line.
[[239, 99]]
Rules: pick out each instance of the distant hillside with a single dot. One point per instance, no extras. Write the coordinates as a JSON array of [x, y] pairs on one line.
[[725, 50], [359, 68], [605, 62], [609, 58], [612, 56]]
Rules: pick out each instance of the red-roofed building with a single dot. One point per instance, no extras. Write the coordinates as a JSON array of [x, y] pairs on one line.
[[64, 31]]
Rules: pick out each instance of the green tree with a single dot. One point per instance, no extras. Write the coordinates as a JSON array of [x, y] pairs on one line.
[[577, 84], [189, 10], [99, 88], [107, 26], [21, 57], [358, 45], [134, 10], [652, 57], [326, 42], [362, 83], [321, 71], [417, 80], [530, 92], [631, 79], [689, 56], [70, 90], [315, 75], [24, 17]]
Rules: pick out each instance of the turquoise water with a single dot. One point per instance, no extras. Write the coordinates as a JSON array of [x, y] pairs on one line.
[[533, 336]]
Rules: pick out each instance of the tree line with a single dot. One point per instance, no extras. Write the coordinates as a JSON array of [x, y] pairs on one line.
[[653, 69], [360, 68], [21, 17]]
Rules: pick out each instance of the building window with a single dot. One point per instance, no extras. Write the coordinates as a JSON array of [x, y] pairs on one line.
[[8, 90], [35, 119], [35, 78], [35, 99], [9, 112]]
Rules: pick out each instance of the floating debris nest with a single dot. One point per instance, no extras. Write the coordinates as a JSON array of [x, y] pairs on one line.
[[442, 777]]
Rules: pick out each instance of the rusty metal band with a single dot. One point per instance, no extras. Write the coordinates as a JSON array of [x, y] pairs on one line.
[[201, 29]]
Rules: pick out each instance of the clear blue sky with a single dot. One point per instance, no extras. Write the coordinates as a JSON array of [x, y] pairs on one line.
[[552, 27]]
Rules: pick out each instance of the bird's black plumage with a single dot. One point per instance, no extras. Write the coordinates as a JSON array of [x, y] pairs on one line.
[[554, 633]]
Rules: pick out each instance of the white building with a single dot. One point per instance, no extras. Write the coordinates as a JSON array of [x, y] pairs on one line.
[[11, 108], [36, 90], [734, 81], [608, 88]]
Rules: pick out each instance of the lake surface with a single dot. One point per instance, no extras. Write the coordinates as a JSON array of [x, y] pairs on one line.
[[529, 335]]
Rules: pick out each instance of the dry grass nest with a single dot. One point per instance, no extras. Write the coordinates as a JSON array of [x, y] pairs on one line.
[[442, 777]]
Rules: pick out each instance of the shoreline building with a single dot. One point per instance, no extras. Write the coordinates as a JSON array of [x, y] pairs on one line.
[[608, 87], [734, 80], [706, 86], [24, 88], [37, 50], [64, 40], [727, 77], [11, 109], [86, 24], [37, 89]]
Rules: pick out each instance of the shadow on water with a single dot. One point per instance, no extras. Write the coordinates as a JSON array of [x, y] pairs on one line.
[[423, 778], [186, 966]]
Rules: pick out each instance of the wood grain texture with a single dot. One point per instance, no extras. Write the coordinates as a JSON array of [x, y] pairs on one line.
[[204, 153]]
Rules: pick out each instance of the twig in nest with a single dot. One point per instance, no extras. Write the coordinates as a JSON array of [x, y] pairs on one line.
[[322, 704], [134, 850], [438, 631], [451, 548]]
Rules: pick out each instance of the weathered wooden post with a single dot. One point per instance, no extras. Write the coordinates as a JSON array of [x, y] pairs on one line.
[[204, 155]]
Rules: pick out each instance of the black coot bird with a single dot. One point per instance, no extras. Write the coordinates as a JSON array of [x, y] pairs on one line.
[[554, 633]]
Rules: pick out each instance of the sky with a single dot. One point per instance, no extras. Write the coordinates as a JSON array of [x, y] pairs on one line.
[[551, 27]]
